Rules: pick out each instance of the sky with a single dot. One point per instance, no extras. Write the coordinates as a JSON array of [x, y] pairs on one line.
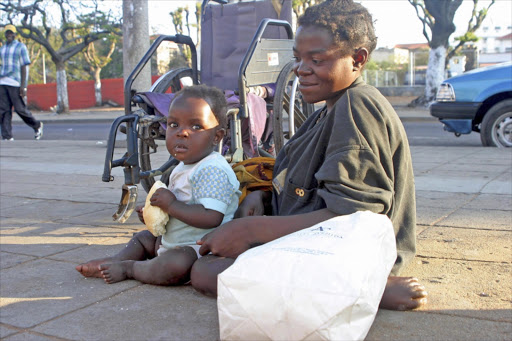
[[395, 20]]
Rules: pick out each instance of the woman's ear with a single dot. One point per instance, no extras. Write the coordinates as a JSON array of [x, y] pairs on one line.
[[360, 58], [219, 135]]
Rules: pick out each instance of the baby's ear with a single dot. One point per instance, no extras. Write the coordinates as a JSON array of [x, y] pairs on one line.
[[219, 135]]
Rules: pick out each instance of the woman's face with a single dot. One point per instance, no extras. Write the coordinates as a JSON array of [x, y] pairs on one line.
[[192, 130], [324, 69]]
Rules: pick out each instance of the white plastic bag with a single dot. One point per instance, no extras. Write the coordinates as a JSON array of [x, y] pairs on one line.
[[321, 283]]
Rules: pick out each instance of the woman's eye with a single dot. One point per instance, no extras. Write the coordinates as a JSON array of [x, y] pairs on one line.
[[316, 61], [172, 124]]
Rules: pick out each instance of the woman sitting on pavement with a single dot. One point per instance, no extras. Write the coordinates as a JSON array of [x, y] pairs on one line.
[[351, 155]]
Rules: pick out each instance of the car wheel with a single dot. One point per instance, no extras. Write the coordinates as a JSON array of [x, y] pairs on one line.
[[496, 129]]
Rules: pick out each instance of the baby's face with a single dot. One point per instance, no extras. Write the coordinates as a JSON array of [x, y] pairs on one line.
[[192, 130]]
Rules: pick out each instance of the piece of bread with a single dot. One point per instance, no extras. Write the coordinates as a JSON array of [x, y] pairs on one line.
[[154, 217]]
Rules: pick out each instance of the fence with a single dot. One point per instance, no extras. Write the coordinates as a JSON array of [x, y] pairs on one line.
[[379, 78], [80, 94]]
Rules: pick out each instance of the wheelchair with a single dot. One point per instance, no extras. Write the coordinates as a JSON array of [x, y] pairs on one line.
[[266, 62]]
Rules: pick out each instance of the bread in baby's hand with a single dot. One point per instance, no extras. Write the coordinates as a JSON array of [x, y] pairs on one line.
[[154, 217]]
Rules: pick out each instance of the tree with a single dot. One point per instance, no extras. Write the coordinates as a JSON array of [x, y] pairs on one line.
[[177, 20], [299, 6], [477, 17], [77, 31], [97, 63], [437, 19]]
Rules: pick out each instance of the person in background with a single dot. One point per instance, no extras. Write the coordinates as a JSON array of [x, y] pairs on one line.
[[13, 85]]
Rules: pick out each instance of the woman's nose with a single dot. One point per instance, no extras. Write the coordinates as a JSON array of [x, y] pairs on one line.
[[300, 68]]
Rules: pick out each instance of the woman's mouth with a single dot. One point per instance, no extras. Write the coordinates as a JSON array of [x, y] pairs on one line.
[[305, 85]]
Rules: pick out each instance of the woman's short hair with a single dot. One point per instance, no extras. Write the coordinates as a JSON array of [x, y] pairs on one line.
[[349, 23]]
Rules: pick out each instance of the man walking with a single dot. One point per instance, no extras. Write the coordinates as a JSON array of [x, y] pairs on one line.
[[13, 85]]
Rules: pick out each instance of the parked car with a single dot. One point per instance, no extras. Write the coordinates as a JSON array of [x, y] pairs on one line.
[[479, 100]]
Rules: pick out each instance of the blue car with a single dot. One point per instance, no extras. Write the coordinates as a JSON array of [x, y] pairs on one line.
[[478, 100]]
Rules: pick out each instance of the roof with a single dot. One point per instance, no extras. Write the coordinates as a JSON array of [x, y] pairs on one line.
[[506, 37], [415, 46]]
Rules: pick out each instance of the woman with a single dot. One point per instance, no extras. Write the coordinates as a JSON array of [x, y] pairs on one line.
[[349, 156]]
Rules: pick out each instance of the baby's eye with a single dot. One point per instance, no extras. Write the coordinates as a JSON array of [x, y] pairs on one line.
[[316, 61], [197, 127], [172, 124]]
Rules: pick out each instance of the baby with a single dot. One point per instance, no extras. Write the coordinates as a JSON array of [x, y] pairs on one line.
[[203, 193]]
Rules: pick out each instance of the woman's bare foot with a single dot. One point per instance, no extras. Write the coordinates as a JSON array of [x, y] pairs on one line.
[[116, 272], [91, 268], [403, 293]]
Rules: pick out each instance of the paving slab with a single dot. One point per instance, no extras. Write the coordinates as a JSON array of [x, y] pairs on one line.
[[8, 260], [104, 218], [7, 330], [7, 202], [444, 325], [433, 199], [468, 244], [51, 210], [492, 201], [50, 239], [156, 313], [500, 185], [473, 289], [446, 182], [432, 215], [484, 219], [42, 290]]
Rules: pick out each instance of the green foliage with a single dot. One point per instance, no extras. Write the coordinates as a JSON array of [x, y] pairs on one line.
[[467, 37]]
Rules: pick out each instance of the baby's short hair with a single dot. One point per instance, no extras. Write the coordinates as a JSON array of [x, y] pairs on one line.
[[212, 95], [349, 23]]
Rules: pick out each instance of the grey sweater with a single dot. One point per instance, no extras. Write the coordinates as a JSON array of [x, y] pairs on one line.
[[355, 157]]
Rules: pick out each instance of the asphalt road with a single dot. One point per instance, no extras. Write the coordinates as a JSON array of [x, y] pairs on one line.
[[420, 133]]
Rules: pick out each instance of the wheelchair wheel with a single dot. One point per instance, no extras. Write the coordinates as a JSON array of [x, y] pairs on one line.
[[174, 79], [148, 136], [285, 120]]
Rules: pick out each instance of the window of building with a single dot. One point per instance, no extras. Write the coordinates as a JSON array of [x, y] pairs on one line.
[[508, 49], [497, 28], [496, 49]]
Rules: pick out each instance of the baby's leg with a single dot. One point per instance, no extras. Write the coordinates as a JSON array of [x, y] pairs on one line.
[[403, 293], [204, 273], [169, 268], [142, 246]]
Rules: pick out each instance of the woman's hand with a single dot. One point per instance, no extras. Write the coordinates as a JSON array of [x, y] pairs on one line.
[[139, 209], [252, 205], [162, 198], [230, 239]]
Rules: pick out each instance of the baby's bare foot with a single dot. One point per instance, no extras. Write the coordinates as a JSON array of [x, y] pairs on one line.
[[403, 293], [90, 269], [115, 272]]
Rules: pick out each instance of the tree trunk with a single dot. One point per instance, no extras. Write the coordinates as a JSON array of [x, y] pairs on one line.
[[435, 72], [62, 89], [136, 42], [97, 87]]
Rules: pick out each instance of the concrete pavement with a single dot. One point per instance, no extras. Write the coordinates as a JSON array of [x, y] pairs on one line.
[[55, 212]]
